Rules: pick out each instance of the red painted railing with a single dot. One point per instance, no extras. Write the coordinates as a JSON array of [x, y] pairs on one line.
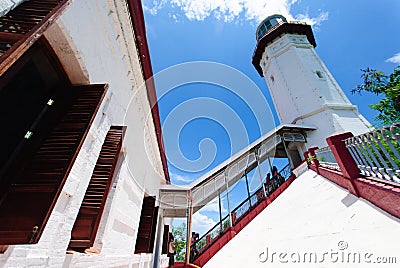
[[258, 203], [382, 193]]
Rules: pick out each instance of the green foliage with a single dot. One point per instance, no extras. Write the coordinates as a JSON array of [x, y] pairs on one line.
[[226, 224], [310, 159], [201, 243], [179, 234], [379, 151], [388, 153], [388, 87]]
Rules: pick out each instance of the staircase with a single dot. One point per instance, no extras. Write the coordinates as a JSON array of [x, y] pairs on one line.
[[174, 198], [219, 235]]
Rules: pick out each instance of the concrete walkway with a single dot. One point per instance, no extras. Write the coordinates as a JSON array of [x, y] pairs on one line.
[[315, 223]]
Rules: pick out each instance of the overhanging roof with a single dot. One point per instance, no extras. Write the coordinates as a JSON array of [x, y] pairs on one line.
[[136, 12]]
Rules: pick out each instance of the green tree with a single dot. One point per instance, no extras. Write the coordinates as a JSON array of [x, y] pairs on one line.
[[179, 234], [388, 87], [226, 223], [201, 243]]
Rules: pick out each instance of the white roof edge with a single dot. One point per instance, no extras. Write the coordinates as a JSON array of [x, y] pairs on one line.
[[174, 187], [247, 148], [7, 5]]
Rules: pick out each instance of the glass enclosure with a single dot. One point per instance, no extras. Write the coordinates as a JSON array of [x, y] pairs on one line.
[[268, 24]]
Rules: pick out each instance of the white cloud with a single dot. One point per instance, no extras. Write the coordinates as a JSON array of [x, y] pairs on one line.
[[213, 206], [202, 223], [173, 16], [323, 16], [230, 10], [394, 59], [157, 5], [180, 178]]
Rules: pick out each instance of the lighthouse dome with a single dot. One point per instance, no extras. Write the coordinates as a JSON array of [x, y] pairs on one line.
[[268, 24]]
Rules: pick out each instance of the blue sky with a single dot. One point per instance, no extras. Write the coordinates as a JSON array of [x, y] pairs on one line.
[[350, 35]]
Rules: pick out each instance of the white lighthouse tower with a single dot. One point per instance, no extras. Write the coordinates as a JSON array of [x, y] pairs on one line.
[[303, 90]]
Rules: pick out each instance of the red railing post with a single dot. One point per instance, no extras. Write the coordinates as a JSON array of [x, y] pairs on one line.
[[344, 159], [208, 239], [306, 157], [314, 159], [233, 216]]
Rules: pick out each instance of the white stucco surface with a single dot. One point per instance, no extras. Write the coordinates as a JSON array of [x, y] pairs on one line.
[[94, 42], [316, 218]]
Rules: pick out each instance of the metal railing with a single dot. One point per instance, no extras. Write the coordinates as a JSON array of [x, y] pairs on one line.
[[243, 208], [212, 235], [247, 205], [255, 198], [286, 171], [239, 212], [326, 158], [221, 227], [377, 153], [277, 25]]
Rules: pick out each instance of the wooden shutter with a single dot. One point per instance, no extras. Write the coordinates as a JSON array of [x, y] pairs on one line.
[[88, 220], [147, 226], [164, 249], [22, 26], [26, 205]]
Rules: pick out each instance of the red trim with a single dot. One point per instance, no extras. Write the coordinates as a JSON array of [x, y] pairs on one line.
[[384, 195], [314, 160], [342, 155], [136, 11], [183, 265], [238, 226], [347, 165], [336, 177]]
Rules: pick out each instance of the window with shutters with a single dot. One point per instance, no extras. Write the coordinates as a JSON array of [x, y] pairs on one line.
[[44, 121], [25, 24], [147, 226], [87, 223]]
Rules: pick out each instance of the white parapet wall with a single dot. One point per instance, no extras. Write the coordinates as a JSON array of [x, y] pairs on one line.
[[314, 223]]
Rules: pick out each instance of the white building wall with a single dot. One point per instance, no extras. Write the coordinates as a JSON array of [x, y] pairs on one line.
[[305, 92], [94, 41]]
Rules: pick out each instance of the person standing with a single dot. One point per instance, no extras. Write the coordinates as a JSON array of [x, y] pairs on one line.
[[171, 251], [193, 249], [268, 187], [275, 177]]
